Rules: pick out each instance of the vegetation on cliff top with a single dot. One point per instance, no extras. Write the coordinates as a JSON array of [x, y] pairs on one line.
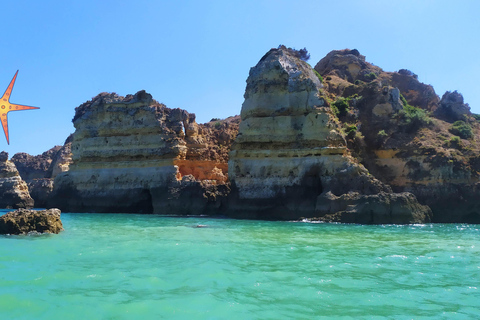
[[413, 122]]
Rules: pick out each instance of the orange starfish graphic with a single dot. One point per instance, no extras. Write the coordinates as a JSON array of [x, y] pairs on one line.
[[6, 106]]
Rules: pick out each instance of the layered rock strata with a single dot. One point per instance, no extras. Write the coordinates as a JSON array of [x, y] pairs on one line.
[[23, 221], [13, 190], [133, 154], [290, 158]]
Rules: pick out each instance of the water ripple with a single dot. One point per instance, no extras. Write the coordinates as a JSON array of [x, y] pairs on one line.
[[131, 266]]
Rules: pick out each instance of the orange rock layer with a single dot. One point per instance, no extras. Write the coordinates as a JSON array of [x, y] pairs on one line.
[[202, 170]]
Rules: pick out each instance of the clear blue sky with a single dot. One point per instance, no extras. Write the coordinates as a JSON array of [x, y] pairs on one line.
[[196, 55]]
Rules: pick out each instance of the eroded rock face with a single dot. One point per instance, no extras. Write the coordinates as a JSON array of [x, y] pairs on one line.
[[404, 136], [13, 190], [62, 160], [290, 153], [417, 93], [133, 154], [347, 72], [39, 171], [34, 167], [346, 64], [23, 221], [452, 107]]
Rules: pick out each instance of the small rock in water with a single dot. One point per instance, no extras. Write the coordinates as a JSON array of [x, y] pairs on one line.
[[23, 221], [201, 226]]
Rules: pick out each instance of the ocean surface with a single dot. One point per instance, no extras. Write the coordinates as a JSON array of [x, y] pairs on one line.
[[119, 266]]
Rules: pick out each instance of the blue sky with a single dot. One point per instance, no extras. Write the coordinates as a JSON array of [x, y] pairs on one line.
[[196, 55]]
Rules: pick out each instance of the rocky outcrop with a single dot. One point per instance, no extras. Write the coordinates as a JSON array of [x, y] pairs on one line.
[[290, 157], [349, 142], [452, 107], [219, 134], [381, 208], [13, 190], [403, 134], [415, 92], [348, 65], [39, 171], [62, 160], [23, 221], [34, 167], [444, 178], [347, 72], [133, 154], [289, 160]]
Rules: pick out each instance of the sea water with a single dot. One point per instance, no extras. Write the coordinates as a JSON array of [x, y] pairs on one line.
[[120, 266]]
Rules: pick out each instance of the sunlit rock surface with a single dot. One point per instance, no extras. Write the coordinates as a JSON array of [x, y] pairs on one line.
[[133, 154], [13, 190], [290, 158], [23, 221], [405, 134]]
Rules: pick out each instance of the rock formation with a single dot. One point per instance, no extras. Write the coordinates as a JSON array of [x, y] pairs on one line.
[[13, 190], [39, 171], [345, 142], [34, 167], [406, 136], [347, 70], [23, 221], [452, 108], [290, 158], [133, 154]]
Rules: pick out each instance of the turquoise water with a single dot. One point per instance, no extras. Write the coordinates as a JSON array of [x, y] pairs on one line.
[[151, 267]]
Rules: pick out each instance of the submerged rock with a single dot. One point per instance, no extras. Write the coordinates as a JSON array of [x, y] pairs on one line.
[[23, 221]]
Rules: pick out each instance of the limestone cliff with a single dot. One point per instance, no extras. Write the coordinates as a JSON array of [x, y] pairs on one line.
[[133, 154], [406, 135], [329, 143], [290, 157], [13, 190]]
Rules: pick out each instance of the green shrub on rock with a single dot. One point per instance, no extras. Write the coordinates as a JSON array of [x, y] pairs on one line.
[[413, 118], [319, 76], [462, 129], [455, 139], [455, 142], [340, 107], [382, 134], [350, 130], [371, 76], [381, 138], [404, 101]]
